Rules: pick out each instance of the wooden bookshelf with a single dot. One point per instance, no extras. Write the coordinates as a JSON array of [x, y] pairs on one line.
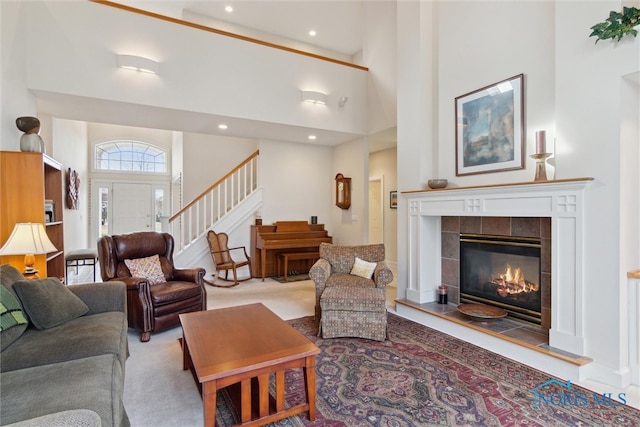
[[26, 180]]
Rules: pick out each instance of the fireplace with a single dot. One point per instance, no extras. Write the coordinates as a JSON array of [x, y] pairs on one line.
[[502, 271], [432, 258]]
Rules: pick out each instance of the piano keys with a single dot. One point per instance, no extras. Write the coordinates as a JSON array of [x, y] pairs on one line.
[[268, 241]]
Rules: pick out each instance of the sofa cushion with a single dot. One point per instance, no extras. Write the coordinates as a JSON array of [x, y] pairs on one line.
[[73, 418], [48, 302], [171, 292], [11, 313], [363, 268], [13, 321], [102, 333], [148, 268], [346, 279], [94, 383]]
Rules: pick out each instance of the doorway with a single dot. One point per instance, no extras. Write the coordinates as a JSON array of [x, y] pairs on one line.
[[132, 207], [125, 207], [376, 211]]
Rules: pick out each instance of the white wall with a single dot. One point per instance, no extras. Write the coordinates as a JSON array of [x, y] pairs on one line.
[[573, 90], [351, 159], [481, 43], [208, 158], [297, 182], [385, 164], [589, 79], [70, 148], [17, 101], [200, 72], [379, 54]]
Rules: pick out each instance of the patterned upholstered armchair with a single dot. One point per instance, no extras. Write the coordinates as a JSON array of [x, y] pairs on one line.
[[357, 304]]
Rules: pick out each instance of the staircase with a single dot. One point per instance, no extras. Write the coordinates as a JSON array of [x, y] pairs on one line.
[[225, 205]]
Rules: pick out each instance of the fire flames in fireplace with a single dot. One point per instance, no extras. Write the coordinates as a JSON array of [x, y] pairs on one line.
[[512, 282], [503, 271]]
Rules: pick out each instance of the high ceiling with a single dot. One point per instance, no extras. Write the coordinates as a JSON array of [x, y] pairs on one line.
[[338, 24]]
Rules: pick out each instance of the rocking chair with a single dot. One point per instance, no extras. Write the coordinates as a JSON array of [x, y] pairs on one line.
[[221, 254]]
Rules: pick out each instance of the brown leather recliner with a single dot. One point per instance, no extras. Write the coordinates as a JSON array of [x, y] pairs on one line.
[[152, 308]]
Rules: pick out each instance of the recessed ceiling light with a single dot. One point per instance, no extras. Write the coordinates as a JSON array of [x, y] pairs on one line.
[[229, 9], [312, 137], [222, 126], [312, 33]]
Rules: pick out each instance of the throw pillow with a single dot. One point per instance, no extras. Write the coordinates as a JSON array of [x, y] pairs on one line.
[[48, 302], [11, 313], [148, 268], [363, 268]]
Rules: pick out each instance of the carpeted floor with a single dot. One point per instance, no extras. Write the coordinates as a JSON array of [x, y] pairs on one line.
[[424, 377], [419, 377]]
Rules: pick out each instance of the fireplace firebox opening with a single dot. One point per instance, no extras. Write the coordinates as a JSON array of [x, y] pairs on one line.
[[502, 271]]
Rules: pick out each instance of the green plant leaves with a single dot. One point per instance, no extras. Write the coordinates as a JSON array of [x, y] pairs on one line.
[[617, 25]]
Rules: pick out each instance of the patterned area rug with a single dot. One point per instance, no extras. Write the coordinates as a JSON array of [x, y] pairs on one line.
[[424, 377]]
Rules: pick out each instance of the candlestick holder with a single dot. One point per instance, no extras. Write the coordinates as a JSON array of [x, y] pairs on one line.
[[541, 165]]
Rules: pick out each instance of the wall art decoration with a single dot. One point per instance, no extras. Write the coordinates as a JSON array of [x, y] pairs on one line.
[[490, 128], [73, 189], [393, 200]]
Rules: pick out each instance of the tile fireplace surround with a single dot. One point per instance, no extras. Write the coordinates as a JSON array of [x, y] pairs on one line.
[[560, 200]]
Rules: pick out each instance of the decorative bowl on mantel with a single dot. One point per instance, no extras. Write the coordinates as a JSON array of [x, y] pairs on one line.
[[437, 183]]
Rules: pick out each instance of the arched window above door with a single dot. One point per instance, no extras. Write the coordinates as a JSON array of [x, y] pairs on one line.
[[130, 156]]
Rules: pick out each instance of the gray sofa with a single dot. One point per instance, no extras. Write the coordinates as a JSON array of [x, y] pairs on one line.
[[63, 361]]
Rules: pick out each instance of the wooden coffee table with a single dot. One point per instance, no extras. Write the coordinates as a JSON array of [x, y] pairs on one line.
[[244, 346]]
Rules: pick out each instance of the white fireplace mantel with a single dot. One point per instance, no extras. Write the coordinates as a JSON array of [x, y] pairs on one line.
[[561, 200]]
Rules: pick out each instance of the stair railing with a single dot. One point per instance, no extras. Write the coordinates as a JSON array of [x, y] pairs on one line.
[[198, 216]]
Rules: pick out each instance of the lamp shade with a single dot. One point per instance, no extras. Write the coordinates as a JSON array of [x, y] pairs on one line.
[[28, 238]]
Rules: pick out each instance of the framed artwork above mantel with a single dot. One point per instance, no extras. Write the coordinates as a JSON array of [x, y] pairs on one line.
[[490, 129]]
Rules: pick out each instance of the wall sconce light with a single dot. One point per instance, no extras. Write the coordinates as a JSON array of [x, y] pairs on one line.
[[138, 63], [28, 239], [313, 97]]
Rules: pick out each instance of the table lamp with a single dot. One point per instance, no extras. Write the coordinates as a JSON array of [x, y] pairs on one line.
[[28, 239]]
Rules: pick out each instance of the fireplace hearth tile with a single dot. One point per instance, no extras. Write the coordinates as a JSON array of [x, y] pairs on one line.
[[496, 225], [451, 223], [451, 273], [450, 245], [449, 312], [525, 227], [545, 256], [545, 227], [528, 335], [471, 224]]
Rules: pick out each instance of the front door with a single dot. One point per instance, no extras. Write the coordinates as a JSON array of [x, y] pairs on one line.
[[132, 208]]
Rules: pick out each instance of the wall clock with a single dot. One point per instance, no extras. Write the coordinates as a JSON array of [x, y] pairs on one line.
[[343, 191]]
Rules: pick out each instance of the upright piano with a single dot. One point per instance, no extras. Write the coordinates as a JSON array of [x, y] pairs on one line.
[[269, 241]]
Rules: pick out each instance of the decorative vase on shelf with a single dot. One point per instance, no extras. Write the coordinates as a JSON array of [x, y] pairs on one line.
[[30, 141]]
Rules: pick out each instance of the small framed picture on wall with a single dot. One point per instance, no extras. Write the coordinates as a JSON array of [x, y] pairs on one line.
[[393, 200]]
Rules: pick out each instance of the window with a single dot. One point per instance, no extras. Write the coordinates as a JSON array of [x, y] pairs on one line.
[[130, 156]]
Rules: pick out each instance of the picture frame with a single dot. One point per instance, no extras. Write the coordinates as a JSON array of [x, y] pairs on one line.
[[49, 211], [490, 130], [393, 200]]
